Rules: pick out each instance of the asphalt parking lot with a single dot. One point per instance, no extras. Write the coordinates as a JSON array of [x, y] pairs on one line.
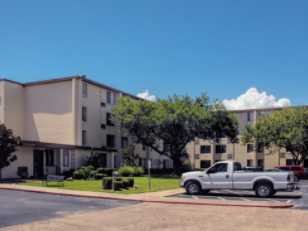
[[24, 207], [298, 198]]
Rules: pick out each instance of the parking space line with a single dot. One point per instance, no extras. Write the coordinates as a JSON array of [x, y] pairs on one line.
[[195, 197]]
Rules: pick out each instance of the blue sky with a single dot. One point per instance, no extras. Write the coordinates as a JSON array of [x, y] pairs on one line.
[[166, 46]]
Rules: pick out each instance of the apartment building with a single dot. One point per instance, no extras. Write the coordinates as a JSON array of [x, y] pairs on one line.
[[203, 153], [62, 122]]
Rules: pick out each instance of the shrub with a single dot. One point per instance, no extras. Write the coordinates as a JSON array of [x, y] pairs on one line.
[[106, 171], [92, 174], [79, 174], [138, 171], [100, 176], [107, 183], [126, 171], [68, 174], [118, 185], [131, 182], [22, 172]]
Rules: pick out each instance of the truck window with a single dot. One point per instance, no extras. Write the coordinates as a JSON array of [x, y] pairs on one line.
[[237, 167], [223, 167]]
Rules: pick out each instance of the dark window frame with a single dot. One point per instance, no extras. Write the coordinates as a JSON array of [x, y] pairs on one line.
[[84, 137], [250, 148], [110, 140], [205, 149], [205, 164], [109, 121], [50, 158], [222, 150], [84, 112]]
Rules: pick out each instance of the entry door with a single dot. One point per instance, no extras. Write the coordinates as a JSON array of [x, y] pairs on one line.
[[38, 163], [219, 177]]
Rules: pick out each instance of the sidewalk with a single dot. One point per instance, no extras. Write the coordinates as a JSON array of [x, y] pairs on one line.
[[152, 197]]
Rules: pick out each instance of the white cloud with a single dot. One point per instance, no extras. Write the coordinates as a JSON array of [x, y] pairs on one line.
[[253, 99], [147, 95]]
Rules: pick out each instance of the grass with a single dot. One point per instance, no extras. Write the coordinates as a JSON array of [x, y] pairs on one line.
[[141, 185]]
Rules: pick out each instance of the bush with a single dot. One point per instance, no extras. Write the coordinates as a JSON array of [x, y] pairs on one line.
[[131, 182], [161, 172], [126, 171], [106, 171], [118, 185], [22, 172], [68, 174], [100, 176], [93, 174], [107, 183], [138, 171], [79, 174]]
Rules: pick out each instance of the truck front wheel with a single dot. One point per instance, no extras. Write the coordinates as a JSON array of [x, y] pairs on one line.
[[193, 188], [264, 189]]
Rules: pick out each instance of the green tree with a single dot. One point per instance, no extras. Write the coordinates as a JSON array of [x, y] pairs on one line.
[[286, 129], [130, 157], [8, 144], [168, 125]]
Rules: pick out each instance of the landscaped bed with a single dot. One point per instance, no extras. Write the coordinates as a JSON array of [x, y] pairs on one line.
[[141, 185]]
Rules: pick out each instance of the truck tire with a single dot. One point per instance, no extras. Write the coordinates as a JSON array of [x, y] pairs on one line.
[[193, 188], [264, 189]]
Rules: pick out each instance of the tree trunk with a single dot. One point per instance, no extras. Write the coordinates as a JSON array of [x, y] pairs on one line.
[[177, 165]]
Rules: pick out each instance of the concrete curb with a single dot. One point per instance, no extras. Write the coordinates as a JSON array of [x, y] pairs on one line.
[[158, 201]]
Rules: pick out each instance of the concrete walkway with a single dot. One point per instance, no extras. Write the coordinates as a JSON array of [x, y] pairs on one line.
[[153, 197]]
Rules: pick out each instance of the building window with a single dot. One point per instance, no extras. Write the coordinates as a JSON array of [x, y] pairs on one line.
[[249, 116], [204, 164], [84, 137], [84, 89], [261, 163], [109, 97], [66, 158], [220, 148], [249, 163], [84, 113], [250, 148], [109, 121], [205, 149], [50, 158], [124, 142], [110, 141], [260, 147], [289, 162]]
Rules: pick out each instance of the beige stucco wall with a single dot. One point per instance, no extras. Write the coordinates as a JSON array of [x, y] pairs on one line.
[[12, 106], [48, 113], [24, 158]]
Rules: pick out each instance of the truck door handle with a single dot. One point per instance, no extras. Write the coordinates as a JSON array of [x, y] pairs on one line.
[[227, 176]]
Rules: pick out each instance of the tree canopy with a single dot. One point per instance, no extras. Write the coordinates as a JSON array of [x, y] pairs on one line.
[[286, 129], [168, 125], [8, 143]]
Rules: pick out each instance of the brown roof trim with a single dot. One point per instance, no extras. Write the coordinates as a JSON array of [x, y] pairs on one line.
[[11, 81], [108, 87], [55, 80], [69, 78], [39, 144]]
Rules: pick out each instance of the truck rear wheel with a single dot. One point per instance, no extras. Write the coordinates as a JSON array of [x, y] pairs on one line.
[[264, 189], [193, 188]]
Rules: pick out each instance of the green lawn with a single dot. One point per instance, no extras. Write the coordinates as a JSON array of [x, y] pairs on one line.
[[141, 185]]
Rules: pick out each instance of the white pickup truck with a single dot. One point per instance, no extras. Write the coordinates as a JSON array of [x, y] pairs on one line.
[[230, 175]]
